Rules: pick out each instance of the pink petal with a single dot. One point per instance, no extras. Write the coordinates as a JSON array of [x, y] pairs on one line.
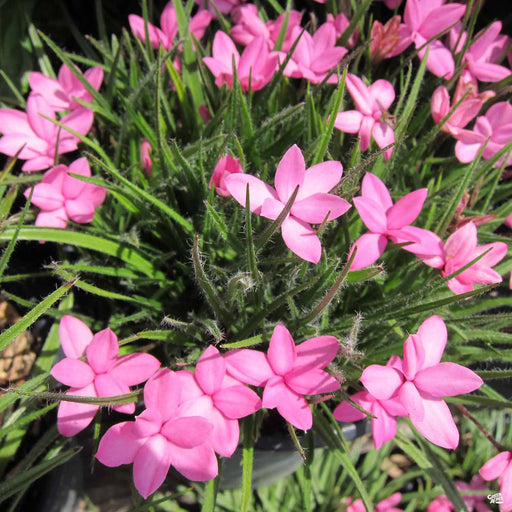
[[197, 464], [80, 120], [210, 370], [148, 423], [316, 352], [495, 255], [440, 60], [373, 188], [94, 76], [236, 401], [168, 22], [322, 177], [163, 393], [54, 219], [414, 356], [73, 372], [15, 122], [360, 94], [365, 132], [440, 104], [314, 209], [406, 209], [187, 432], [488, 72], [106, 385], [348, 121], [311, 381], [383, 427], [370, 248], [79, 210], [437, 424], [102, 351], [506, 489], [74, 336], [47, 197], [73, 417], [155, 34], [50, 89], [412, 401], [462, 244], [118, 445], [134, 368], [290, 173], [440, 19], [372, 214], [199, 23], [259, 191], [32, 148], [38, 163], [151, 464], [382, 94], [433, 335], [248, 366], [447, 379], [292, 407], [301, 239], [72, 187], [347, 412], [36, 108], [281, 352], [496, 466], [224, 50], [381, 381], [412, 14], [384, 136]]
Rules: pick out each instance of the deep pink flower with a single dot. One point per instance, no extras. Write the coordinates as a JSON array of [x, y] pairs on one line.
[[313, 203], [145, 156], [62, 94], [423, 20], [480, 58], [384, 219], [384, 38], [369, 120], [387, 505], [226, 166], [474, 503], [169, 27], [38, 136], [168, 433], [385, 411], [314, 56], [223, 399], [102, 373], [255, 67], [493, 128], [500, 467], [460, 249], [62, 197], [288, 372], [423, 381]]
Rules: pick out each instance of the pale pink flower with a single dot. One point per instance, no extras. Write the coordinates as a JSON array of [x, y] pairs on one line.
[[223, 399], [480, 58], [62, 93], [255, 67], [500, 467], [62, 197], [422, 382], [423, 20], [313, 203], [474, 503], [101, 374], [384, 38], [384, 219], [460, 249], [387, 505], [340, 24], [145, 156], [226, 166], [288, 372], [494, 129], [168, 433], [169, 27], [38, 137], [370, 119], [314, 56]]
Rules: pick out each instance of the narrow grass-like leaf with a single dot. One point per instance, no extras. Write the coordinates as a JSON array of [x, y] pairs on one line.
[[247, 462], [249, 342]]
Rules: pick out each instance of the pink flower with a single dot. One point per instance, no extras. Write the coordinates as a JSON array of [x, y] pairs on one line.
[[62, 198], [62, 94], [500, 467], [256, 66], [223, 399], [248, 25], [392, 4], [423, 20], [383, 425], [384, 38], [314, 56], [340, 24], [224, 6], [145, 156], [387, 505], [168, 433], [313, 203], [288, 372], [169, 27], [480, 58], [384, 219], [474, 503], [369, 120], [460, 249], [493, 128], [38, 136], [226, 166], [102, 373], [422, 382]]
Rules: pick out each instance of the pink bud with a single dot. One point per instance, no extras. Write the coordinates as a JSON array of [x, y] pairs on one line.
[[226, 165], [145, 150]]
